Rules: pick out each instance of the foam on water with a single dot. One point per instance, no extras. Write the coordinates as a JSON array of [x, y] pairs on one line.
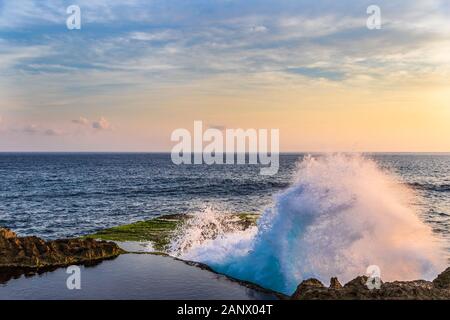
[[341, 215]]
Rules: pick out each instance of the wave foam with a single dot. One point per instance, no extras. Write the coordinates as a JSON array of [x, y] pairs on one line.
[[341, 215]]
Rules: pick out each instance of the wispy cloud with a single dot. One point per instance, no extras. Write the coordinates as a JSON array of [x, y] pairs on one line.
[[214, 38], [34, 129], [102, 124], [81, 120], [53, 132], [31, 129]]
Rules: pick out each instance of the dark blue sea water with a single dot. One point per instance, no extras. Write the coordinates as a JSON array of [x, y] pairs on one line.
[[64, 195], [132, 276]]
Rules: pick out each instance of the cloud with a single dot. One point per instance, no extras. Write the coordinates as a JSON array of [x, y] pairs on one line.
[[12, 55], [31, 129], [318, 73], [259, 29], [154, 36], [176, 44], [52, 132], [101, 124], [194, 40], [81, 121]]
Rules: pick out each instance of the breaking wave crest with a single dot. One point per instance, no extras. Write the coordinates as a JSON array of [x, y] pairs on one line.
[[341, 215]]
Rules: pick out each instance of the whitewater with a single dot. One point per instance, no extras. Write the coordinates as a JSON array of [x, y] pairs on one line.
[[341, 215]]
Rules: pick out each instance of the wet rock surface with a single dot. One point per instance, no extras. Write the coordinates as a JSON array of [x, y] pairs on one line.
[[438, 289], [27, 255]]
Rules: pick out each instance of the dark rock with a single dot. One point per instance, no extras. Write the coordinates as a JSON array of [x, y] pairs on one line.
[[311, 283], [443, 280], [25, 255], [307, 287], [335, 284], [357, 289], [411, 290]]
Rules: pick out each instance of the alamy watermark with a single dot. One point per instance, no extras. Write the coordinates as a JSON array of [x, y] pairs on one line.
[[73, 22], [73, 282], [374, 20], [228, 146], [374, 277]]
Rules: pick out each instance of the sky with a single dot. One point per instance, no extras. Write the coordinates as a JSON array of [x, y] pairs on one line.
[[138, 70]]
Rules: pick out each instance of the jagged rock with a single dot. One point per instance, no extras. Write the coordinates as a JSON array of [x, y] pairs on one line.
[[312, 283], [7, 234], [33, 253], [443, 280], [357, 289], [309, 286], [335, 284]]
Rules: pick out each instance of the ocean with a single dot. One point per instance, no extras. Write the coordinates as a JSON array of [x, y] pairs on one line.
[[58, 195]]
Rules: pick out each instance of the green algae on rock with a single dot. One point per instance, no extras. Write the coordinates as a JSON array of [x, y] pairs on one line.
[[160, 231], [157, 230]]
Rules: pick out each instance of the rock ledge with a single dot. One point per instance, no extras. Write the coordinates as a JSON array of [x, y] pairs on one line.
[[438, 289], [20, 255]]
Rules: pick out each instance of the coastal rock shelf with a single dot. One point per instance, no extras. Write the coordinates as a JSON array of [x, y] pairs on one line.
[[25, 255]]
